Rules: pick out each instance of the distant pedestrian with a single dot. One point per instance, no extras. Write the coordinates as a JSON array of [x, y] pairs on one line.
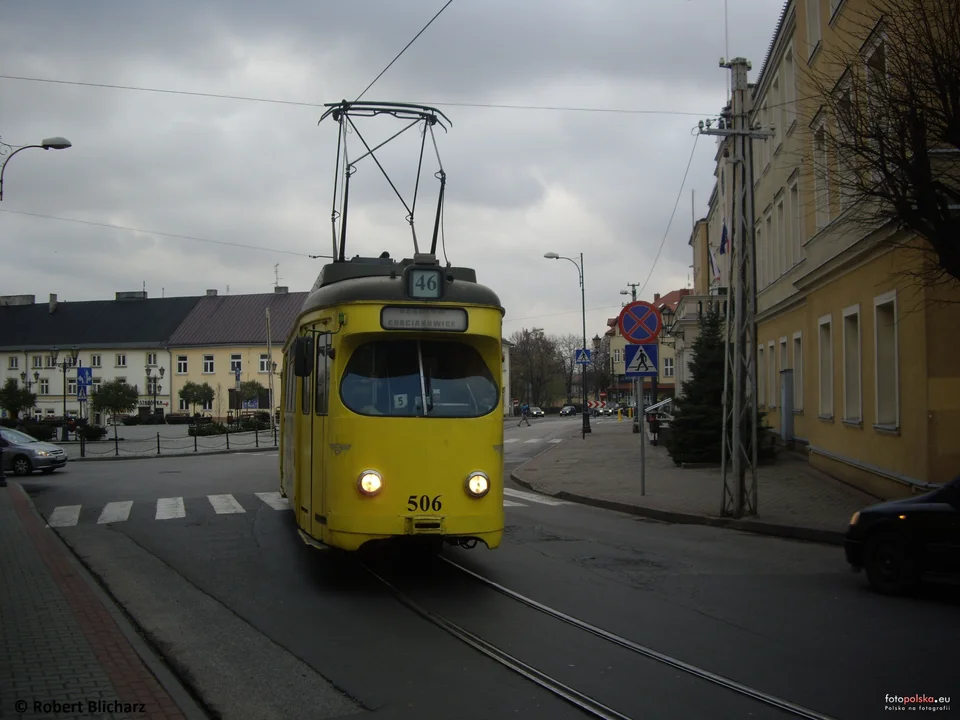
[[525, 415], [655, 429]]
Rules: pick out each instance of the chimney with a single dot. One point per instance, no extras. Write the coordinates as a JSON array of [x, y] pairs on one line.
[[656, 298], [132, 295], [53, 302], [211, 293], [280, 290]]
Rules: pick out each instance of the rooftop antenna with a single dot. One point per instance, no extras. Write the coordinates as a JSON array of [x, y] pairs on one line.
[[144, 285], [276, 275], [228, 290]]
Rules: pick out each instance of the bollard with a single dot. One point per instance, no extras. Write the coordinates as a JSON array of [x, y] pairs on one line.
[[256, 437], [116, 442], [83, 446], [195, 439], [158, 443], [228, 438], [274, 435]]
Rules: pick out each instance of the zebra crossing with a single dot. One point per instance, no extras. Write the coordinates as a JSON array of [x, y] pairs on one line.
[[174, 508], [554, 441]]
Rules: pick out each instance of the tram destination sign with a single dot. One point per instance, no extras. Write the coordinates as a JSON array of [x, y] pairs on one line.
[[424, 318]]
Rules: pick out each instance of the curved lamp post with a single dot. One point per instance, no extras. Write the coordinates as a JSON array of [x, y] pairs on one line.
[[64, 365], [53, 143], [583, 306]]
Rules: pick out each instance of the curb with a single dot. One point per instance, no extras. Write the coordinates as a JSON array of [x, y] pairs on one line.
[[828, 537], [152, 660], [262, 448]]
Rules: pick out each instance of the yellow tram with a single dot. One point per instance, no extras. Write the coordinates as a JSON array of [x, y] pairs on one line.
[[392, 423]]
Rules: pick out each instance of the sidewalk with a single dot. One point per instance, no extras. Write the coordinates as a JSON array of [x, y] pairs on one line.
[[794, 499], [65, 651]]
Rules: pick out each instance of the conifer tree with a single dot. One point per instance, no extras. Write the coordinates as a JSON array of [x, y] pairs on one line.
[[696, 431]]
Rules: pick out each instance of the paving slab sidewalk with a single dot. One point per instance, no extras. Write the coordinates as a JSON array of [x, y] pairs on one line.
[[64, 651], [794, 500]]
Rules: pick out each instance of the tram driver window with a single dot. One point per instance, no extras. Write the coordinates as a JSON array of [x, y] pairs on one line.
[[323, 363], [383, 378]]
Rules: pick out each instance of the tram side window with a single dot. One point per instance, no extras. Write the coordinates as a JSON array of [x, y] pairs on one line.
[[383, 378], [291, 384], [323, 364], [458, 382], [305, 401]]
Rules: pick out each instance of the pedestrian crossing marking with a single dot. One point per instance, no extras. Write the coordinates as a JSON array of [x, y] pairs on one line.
[[533, 497], [65, 516], [225, 504], [170, 508], [534, 440], [175, 507], [115, 512], [512, 440], [555, 441], [274, 500]]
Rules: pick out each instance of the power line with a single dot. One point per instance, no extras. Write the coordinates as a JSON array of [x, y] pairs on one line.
[[162, 234], [672, 214], [404, 49], [571, 312], [298, 103]]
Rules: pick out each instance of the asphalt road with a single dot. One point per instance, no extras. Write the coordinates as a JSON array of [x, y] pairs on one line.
[[262, 626]]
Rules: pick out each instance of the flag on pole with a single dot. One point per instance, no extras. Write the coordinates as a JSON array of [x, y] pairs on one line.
[[714, 266], [723, 239]]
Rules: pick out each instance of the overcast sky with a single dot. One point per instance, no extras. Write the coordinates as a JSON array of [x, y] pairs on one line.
[[520, 182]]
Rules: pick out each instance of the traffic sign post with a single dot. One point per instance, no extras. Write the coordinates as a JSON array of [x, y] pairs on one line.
[[640, 323]]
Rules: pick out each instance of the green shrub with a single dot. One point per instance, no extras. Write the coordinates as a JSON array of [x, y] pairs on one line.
[[206, 430], [92, 432]]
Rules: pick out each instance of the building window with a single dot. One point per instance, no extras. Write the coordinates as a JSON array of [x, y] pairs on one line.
[[14, 363], [798, 371], [150, 383], [70, 361], [875, 60], [121, 360], [44, 386], [784, 358], [206, 405], [785, 248], [772, 387], [264, 363], [852, 406], [71, 387], [616, 355], [49, 361], [151, 359], [821, 175], [95, 384], [813, 27], [208, 364], [761, 377], [668, 367], [236, 363], [887, 354], [796, 229], [95, 361], [777, 113], [761, 259], [37, 361], [181, 364], [825, 350], [184, 405], [765, 121], [772, 261]]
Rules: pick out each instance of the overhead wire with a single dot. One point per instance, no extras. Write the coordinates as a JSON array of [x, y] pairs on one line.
[[404, 49], [162, 234], [299, 103]]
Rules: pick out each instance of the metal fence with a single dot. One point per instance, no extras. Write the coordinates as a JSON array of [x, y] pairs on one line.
[[161, 445]]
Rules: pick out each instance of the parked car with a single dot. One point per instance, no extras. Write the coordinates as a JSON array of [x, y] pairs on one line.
[[568, 410], [900, 541], [22, 453], [536, 412]]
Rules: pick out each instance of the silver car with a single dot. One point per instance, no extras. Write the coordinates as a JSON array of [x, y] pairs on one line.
[[23, 454]]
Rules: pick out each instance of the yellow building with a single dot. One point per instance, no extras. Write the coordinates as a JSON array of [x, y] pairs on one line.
[[854, 361], [224, 334]]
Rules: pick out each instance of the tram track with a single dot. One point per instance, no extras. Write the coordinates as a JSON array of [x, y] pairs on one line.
[[566, 692]]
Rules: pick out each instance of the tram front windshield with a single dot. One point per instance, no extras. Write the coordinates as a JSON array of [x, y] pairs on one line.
[[416, 378]]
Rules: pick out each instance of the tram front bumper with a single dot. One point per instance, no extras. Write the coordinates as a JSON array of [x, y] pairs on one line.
[[483, 526]]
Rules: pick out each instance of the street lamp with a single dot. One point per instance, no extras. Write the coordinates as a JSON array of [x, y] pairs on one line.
[[157, 387], [26, 383], [596, 354], [669, 319], [53, 143], [583, 306], [64, 366]]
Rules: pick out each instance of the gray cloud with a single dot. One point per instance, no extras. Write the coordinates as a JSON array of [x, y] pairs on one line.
[[520, 182]]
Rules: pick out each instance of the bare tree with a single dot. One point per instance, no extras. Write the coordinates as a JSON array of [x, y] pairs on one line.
[[535, 364], [567, 346], [890, 144]]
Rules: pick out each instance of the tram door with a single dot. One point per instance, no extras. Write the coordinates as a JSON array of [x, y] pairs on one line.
[[318, 449]]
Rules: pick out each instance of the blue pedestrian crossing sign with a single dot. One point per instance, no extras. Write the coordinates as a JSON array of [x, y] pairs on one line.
[[641, 360], [582, 356], [81, 393]]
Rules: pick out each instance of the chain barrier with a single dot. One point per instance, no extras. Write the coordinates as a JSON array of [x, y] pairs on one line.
[[160, 443]]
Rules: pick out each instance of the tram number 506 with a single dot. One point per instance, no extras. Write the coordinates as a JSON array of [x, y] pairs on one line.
[[424, 503]]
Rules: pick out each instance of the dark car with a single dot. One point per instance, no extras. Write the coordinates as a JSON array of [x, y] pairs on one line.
[[900, 541], [536, 412], [568, 410]]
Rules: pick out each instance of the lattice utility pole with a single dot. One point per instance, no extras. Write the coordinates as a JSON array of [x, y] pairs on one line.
[[739, 454]]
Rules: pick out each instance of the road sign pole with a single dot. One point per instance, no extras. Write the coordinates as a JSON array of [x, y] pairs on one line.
[[643, 442]]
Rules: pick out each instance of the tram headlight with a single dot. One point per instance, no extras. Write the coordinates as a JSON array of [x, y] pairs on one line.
[[369, 482], [478, 484]]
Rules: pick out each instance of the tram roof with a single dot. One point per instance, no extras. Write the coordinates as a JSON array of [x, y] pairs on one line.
[[381, 280]]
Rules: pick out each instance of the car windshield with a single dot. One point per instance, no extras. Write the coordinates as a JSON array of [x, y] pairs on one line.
[[16, 437], [395, 377], [535, 409]]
